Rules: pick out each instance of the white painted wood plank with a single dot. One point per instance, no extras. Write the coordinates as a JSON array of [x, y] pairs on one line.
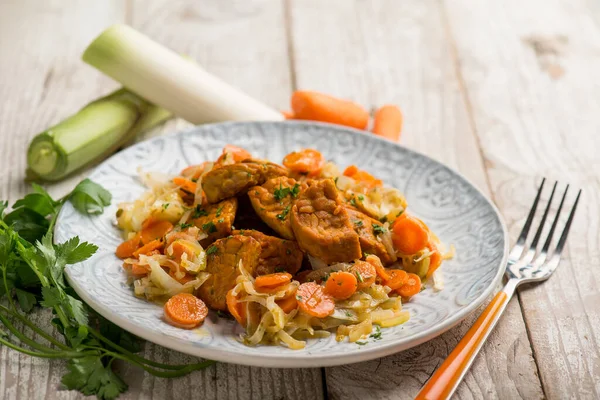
[[531, 70], [377, 52], [42, 81]]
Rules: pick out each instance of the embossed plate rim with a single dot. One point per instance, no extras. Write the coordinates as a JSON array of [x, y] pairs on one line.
[[288, 358]]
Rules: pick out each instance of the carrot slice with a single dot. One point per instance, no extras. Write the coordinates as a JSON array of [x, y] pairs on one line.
[[341, 284], [271, 280], [194, 171], [128, 247], [236, 152], [397, 279], [307, 161], [288, 114], [184, 310], [409, 235], [362, 176], [365, 274], [153, 229], [380, 270], [435, 259], [288, 304], [317, 106], [180, 248], [140, 270], [313, 300], [185, 184], [411, 287], [235, 308], [387, 122], [148, 248]]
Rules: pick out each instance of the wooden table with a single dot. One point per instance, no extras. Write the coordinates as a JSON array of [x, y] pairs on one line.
[[506, 92]]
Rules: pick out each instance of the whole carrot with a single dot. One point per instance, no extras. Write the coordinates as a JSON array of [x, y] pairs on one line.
[[388, 122], [317, 106]]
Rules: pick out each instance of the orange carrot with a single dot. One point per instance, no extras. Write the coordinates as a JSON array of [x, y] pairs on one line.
[[288, 304], [184, 310], [362, 176], [317, 106], [185, 184], [365, 273], [236, 309], [148, 248], [435, 259], [411, 287], [398, 278], [153, 229], [180, 248], [341, 285], [388, 122], [140, 270], [236, 152], [271, 280], [194, 171], [128, 247], [307, 161], [409, 235], [313, 300], [376, 262], [288, 114]]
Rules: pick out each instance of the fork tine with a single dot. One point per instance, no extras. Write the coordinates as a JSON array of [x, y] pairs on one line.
[[563, 236], [553, 228], [536, 238], [527, 225]]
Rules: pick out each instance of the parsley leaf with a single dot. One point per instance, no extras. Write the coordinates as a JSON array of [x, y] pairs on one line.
[[209, 227], [212, 250], [378, 229], [358, 223], [26, 300], [89, 376], [218, 214], [353, 203], [284, 213], [280, 193], [184, 225], [199, 212], [90, 198]]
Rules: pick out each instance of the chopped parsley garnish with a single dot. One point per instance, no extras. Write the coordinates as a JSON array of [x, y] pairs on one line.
[[361, 343], [199, 212], [221, 220], [353, 202], [165, 206], [378, 229], [194, 180], [298, 297], [288, 251], [249, 174], [209, 227], [348, 314], [358, 222], [119, 212], [218, 214], [361, 197], [185, 225], [359, 277], [383, 219], [325, 278], [212, 249], [280, 269], [399, 213], [336, 179], [284, 213], [296, 190], [377, 334], [282, 192]]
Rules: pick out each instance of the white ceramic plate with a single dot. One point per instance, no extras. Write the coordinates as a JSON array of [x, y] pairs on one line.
[[454, 209]]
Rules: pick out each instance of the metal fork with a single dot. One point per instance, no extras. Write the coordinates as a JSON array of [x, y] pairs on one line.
[[524, 265]]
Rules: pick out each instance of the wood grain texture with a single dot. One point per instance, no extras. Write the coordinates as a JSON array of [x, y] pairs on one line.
[[243, 43], [42, 81], [377, 52], [532, 79]]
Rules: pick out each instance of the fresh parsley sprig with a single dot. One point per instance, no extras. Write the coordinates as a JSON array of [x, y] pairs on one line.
[[32, 267]]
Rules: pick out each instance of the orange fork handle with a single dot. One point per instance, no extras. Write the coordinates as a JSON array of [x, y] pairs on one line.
[[444, 381]]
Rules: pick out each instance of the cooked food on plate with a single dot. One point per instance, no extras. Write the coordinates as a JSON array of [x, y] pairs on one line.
[[291, 252]]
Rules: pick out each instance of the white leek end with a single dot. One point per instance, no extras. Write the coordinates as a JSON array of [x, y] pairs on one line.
[[163, 77]]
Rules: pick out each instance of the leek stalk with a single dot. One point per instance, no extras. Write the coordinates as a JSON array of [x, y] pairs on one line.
[[94, 132], [163, 77]]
